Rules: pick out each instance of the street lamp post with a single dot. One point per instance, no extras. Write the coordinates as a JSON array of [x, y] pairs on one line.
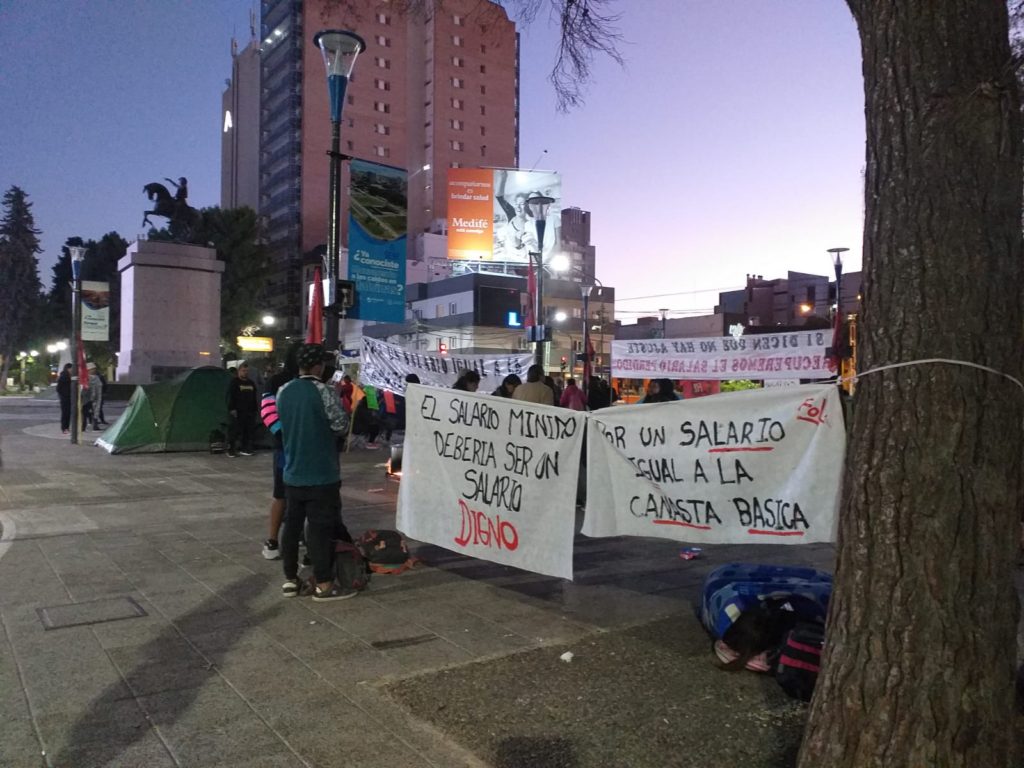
[[538, 206], [837, 263], [77, 257], [664, 322], [585, 294], [340, 49]]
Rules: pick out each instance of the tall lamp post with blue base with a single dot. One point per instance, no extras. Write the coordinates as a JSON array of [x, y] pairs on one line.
[[340, 49], [77, 257], [538, 206]]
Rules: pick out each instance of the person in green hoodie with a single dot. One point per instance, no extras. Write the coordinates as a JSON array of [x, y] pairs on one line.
[[312, 420]]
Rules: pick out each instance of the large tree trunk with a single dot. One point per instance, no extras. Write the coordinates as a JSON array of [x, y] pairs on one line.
[[921, 636]]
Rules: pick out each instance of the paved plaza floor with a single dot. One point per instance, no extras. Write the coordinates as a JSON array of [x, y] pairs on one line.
[[141, 627]]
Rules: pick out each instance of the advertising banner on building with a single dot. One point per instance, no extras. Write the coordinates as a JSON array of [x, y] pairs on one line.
[[491, 477], [377, 227], [760, 466], [95, 311], [797, 355], [488, 219], [386, 365]]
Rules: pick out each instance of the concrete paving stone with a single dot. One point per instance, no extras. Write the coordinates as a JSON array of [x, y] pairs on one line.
[[213, 704], [232, 640], [147, 751], [167, 647], [186, 598], [74, 690], [431, 655], [169, 675], [352, 745], [120, 721], [136, 632], [347, 662], [368, 620], [284, 759], [303, 631], [274, 681], [472, 633]]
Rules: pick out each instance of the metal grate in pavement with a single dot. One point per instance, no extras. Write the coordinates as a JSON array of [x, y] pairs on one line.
[[90, 612]]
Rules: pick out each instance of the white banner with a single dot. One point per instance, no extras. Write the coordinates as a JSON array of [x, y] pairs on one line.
[[386, 365], [95, 311], [761, 466], [798, 355], [491, 477]]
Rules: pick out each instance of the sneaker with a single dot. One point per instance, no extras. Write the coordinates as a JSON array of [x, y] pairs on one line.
[[270, 550], [232, 455], [756, 663], [64, 431], [291, 588], [334, 593], [246, 453]]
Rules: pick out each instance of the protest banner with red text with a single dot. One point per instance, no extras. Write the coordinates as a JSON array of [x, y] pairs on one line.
[[491, 478], [797, 355], [760, 466]]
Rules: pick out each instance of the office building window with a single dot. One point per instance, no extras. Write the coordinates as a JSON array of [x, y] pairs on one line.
[[381, 106], [483, 110], [383, 63], [483, 90], [456, 82], [483, 49], [384, 42], [456, 61], [456, 103], [439, 310], [457, 20], [382, 85], [382, 129], [454, 164], [483, 69], [350, 147], [453, 308], [457, 41], [456, 124], [455, 145], [483, 131], [382, 151], [383, 18], [483, 151], [350, 99]]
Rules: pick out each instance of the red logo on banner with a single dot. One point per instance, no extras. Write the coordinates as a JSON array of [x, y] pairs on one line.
[[811, 412]]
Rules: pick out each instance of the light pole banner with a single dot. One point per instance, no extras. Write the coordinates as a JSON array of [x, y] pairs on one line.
[[756, 467], [95, 311], [797, 355], [377, 228], [491, 478], [386, 365]]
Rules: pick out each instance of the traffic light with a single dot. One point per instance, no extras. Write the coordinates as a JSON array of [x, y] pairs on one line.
[[442, 348]]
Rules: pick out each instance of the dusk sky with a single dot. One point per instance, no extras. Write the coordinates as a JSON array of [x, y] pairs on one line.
[[732, 142]]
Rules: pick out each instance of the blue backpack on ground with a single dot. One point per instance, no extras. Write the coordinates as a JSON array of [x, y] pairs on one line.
[[737, 588]]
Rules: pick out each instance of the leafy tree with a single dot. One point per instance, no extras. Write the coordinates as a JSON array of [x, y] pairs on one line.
[[20, 288], [235, 235]]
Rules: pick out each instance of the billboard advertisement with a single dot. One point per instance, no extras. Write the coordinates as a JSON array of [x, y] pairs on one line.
[[488, 219], [377, 229]]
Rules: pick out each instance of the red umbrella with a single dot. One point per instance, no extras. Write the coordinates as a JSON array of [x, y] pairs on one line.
[[315, 326]]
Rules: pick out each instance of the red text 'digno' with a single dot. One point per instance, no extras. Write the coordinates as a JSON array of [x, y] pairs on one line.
[[479, 528]]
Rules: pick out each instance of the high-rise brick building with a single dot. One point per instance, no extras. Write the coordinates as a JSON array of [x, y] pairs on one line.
[[430, 92]]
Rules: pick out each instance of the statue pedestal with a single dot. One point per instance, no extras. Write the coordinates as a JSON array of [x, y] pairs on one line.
[[170, 310]]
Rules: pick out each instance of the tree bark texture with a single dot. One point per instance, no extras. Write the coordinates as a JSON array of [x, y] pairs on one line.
[[921, 636]]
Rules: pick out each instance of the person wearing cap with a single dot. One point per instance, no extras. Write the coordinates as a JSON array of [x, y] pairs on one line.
[[311, 422], [90, 397], [243, 406]]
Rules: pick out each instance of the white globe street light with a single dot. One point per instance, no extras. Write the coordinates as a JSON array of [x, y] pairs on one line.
[[559, 262], [268, 319], [560, 317]]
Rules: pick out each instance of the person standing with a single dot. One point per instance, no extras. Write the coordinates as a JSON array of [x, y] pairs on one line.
[[508, 386], [468, 381], [96, 390], [271, 420], [243, 405], [64, 394], [534, 390], [87, 393], [311, 423], [572, 397]]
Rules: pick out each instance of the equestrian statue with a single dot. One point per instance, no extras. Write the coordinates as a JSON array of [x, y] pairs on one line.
[[181, 217]]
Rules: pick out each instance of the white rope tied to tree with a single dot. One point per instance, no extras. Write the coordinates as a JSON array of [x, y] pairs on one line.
[[942, 360]]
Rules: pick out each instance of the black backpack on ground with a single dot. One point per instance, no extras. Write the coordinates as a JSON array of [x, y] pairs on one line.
[[350, 569], [385, 552], [800, 660]]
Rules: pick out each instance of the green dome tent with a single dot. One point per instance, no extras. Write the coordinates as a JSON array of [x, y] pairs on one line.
[[175, 415]]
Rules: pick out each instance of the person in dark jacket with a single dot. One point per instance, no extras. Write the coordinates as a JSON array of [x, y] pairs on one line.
[[468, 381], [64, 394], [271, 420], [508, 386], [243, 407]]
